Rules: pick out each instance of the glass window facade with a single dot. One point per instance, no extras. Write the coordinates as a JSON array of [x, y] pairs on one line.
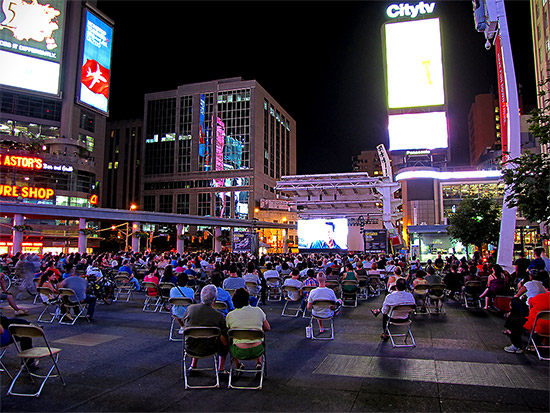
[[234, 112], [203, 204], [160, 137]]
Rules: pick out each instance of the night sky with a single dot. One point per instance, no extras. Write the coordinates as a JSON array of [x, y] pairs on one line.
[[322, 61]]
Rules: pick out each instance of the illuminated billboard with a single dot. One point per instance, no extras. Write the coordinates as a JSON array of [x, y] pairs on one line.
[[418, 131], [95, 76], [414, 65], [31, 44], [323, 234]]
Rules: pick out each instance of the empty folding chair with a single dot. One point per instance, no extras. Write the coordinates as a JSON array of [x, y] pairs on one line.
[[334, 286], [541, 316], [51, 305], [251, 335], [70, 301], [375, 285], [292, 298], [420, 293], [203, 338], [221, 306], [34, 353], [319, 306], [399, 317], [3, 350], [306, 289], [363, 285], [164, 293], [253, 289]]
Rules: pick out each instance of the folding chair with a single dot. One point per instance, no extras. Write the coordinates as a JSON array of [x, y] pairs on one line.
[[542, 315], [253, 289], [472, 291], [203, 338], [2, 366], [363, 285], [287, 289], [253, 335], [151, 299], [274, 292], [221, 306], [36, 353], [320, 305], [123, 286], [164, 293], [395, 319], [306, 289], [177, 301], [70, 301], [51, 305], [436, 296], [375, 283], [334, 286], [420, 293], [348, 296]]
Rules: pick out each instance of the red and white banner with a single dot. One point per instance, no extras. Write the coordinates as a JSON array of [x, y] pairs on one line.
[[503, 100], [95, 77]]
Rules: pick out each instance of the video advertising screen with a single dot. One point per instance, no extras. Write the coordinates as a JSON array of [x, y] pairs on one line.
[[323, 234], [95, 76], [418, 131], [31, 44], [414, 64]]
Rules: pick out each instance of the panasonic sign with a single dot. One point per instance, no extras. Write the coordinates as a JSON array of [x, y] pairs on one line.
[[405, 9]]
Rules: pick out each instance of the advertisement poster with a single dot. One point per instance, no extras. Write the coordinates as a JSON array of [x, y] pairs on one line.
[[242, 242], [96, 63], [376, 241], [31, 44]]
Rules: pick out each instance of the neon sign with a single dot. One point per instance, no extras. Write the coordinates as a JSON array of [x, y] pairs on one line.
[[21, 161], [15, 191], [405, 9]]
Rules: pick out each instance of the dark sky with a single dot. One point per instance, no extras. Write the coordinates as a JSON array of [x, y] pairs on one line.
[[322, 61]]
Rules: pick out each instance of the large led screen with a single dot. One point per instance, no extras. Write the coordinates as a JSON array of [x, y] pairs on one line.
[[31, 44], [323, 234], [413, 64], [418, 131], [96, 63]]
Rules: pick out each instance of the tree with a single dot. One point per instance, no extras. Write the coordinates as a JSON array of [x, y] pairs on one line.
[[475, 222], [528, 176]]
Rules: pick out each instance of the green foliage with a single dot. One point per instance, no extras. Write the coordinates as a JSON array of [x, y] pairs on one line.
[[475, 222], [528, 176]]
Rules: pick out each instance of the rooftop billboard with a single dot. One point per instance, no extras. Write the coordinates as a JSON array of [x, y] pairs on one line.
[[418, 131], [414, 64], [31, 44]]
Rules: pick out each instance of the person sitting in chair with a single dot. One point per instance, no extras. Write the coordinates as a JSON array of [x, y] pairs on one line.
[[323, 293], [399, 297], [246, 317], [204, 315]]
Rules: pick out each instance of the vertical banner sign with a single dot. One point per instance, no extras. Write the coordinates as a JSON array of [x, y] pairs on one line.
[[96, 63], [203, 144], [503, 102]]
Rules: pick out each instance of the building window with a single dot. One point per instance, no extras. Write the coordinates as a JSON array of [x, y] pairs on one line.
[[203, 204], [184, 138], [160, 136], [206, 132], [87, 121], [165, 203], [149, 203], [182, 204]]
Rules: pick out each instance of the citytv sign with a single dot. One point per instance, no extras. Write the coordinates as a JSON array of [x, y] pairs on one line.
[[405, 9]]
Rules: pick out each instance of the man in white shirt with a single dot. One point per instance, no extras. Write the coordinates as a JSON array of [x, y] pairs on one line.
[[270, 272], [294, 282], [323, 293], [398, 297]]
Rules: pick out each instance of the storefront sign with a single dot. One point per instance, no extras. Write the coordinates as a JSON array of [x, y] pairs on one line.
[[29, 162], [15, 191]]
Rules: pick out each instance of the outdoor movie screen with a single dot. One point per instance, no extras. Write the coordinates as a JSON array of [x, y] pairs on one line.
[[414, 64], [418, 131], [31, 44], [323, 234]]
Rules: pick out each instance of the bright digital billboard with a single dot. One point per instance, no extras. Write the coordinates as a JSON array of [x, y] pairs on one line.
[[418, 131], [31, 44], [414, 65], [323, 234], [96, 62]]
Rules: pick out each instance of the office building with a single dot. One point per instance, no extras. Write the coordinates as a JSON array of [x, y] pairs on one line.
[[215, 148]]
